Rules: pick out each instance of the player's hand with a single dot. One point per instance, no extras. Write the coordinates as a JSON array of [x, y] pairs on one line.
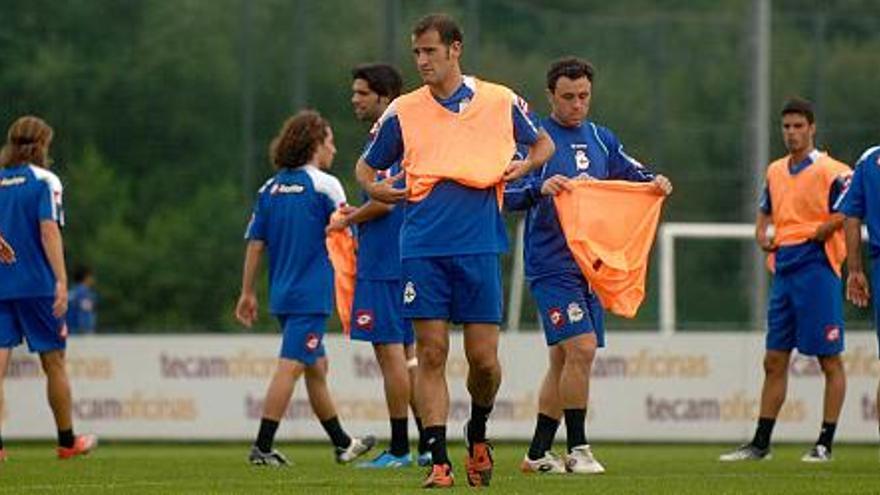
[[246, 309], [385, 191], [516, 169], [59, 305], [663, 184], [767, 243], [857, 290], [555, 185], [823, 232], [337, 224], [7, 254]]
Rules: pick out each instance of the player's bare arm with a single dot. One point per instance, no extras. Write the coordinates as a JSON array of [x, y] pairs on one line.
[[857, 289], [383, 190], [247, 306], [53, 246], [539, 152], [370, 210], [7, 254], [761, 225], [825, 230]]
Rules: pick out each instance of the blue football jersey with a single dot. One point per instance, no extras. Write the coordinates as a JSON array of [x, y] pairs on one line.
[[587, 151], [28, 195], [861, 199], [453, 219], [291, 212]]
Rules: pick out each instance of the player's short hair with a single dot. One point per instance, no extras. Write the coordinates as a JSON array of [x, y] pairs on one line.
[[570, 67], [27, 141], [382, 79], [800, 106], [445, 26], [297, 140]]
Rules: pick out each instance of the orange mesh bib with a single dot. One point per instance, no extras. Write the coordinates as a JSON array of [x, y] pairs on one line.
[[609, 227]]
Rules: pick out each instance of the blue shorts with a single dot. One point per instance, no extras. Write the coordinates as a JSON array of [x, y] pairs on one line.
[[461, 288], [376, 315], [303, 339], [806, 311], [568, 307], [31, 319]]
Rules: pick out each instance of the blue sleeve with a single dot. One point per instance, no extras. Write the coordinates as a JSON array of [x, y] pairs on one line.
[[620, 165], [525, 131], [256, 229], [523, 193], [764, 203], [852, 200], [834, 192], [387, 148]]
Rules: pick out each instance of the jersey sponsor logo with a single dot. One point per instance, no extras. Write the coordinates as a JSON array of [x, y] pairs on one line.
[[409, 293], [363, 319], [12, 181], [286, 189], [832, 333], [312, 342], [575, 313], [556, 316], [522, 104]]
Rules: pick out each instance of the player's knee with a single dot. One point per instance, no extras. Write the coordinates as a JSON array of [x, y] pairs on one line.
[[775, 365], [580, 352], [831, 365], [432, 356], [53, 362], [484, 363]]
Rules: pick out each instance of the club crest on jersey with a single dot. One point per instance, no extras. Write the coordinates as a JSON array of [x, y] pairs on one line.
[[557, 318], [409, 293], [363, 319], [575, 313], [312, 342], [581, 160], [832, 333]]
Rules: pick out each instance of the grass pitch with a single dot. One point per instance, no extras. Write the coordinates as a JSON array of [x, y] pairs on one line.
[[221, 468]]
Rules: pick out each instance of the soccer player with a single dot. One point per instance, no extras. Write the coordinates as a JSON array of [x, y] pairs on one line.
[[7, 254], [571, 314], [861, 203], [376, 316], [805, 310], [291, 212], [453, 131], [33, 290], [81, 305]]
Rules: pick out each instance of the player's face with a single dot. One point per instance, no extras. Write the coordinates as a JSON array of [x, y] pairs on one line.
[[434, 60], [367, 104], [570, 100], [797, 132], [325, 152]]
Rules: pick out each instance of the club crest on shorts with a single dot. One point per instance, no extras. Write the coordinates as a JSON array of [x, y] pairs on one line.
[[363, 319], [557, 318], [312, 342], [409, 293], [832, 333], [575, 313]]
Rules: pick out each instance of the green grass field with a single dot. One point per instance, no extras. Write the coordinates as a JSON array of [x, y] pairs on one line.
[[221, 468]]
